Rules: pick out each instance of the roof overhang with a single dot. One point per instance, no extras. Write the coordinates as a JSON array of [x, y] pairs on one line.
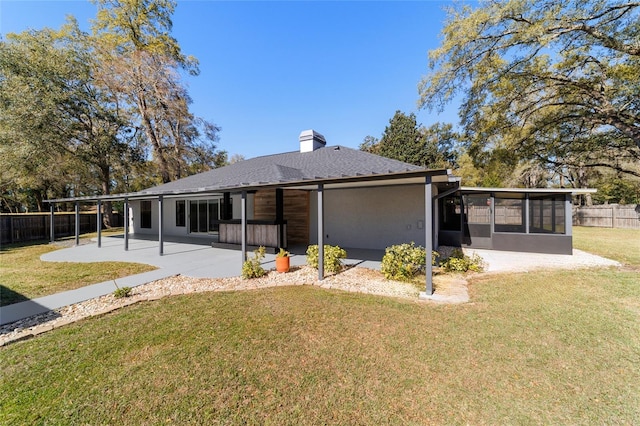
[[332, 182], [572, 191]]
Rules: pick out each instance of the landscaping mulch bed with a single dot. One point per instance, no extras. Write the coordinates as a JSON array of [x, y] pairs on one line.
[[448, 289]]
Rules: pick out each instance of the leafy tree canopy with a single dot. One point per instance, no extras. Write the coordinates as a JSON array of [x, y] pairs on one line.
[[404, 140], [96, 113], [554, 81]]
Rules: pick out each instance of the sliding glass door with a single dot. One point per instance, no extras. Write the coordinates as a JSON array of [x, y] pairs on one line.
[[204, 215]]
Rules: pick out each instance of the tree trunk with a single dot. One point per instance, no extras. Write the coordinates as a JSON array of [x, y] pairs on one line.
[[155, 143]]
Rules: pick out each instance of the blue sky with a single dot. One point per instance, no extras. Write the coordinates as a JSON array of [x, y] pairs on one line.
[[272, 69]]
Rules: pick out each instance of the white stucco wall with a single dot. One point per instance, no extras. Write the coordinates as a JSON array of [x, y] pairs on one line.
[[373, 218], [169, 218]]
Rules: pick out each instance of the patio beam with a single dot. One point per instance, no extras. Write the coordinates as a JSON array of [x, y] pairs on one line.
[[99, 223], [428, 234], [243, 225], [126, 224], [227, 210], [568, 215], [320, 232], [77, 220], [52, 224], [526, 212], [160, 219], [280, 217]]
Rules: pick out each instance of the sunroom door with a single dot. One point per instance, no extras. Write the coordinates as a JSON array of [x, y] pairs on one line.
[[477, 221]]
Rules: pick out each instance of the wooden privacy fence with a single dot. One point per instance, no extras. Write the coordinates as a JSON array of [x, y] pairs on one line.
[[608, 216], [20, 228]]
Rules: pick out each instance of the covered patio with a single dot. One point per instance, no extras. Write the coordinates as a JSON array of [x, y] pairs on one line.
[[161, 247], [188, 257]]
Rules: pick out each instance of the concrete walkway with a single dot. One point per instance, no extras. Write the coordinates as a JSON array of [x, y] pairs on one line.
[[192, 260]]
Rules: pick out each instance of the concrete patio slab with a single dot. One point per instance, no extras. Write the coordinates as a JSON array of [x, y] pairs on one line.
[[510, 261], [179, 258]]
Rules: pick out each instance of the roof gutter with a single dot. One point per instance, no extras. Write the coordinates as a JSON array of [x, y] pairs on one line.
[[572, 191]]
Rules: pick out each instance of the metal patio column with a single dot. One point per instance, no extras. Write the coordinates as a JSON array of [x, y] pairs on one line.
[[77, 223], [160, 236], [428, 234], [280, 217], [99, 223], [320, 232], [568, 215], [527, 217], [126, 224], [52, 225], [243, 225]]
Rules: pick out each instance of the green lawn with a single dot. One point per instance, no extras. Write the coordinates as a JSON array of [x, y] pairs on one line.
[[622, 245], [545, 348], [24, 276]]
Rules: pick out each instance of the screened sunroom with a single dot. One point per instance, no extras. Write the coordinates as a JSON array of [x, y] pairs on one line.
[[528, 220]]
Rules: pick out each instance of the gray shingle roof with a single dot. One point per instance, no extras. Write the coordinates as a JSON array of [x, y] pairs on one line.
[[323, 163]]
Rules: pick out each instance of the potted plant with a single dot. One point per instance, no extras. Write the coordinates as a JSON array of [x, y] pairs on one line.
[[282, 261]]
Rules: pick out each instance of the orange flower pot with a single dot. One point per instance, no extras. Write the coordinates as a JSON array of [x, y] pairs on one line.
[[282, 264]]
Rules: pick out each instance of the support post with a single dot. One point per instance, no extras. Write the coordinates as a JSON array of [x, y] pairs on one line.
[[492, 214], [77, 217], [243, 226], [99, 223], [52, 224], [428, 234], [126, 224], [320, 232], [160, 236], [526, 212], [280, 217], [227, 211], [614, 211], [568, 215], [553, 215]]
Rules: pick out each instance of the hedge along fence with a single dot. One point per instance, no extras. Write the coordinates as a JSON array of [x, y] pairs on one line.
[[608, 216], [24, 227]]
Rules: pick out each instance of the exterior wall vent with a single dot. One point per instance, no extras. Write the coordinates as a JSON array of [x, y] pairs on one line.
[[310, 140]]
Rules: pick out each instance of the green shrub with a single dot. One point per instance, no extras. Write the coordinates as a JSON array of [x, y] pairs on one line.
[[332, 256], [121, 292], [460, 262], [252, 268], [404, 261]]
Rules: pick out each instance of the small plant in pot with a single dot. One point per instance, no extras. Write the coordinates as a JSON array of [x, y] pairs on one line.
[[282, 261]]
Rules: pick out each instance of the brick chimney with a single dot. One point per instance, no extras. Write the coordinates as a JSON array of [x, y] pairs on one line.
[[310, 140]]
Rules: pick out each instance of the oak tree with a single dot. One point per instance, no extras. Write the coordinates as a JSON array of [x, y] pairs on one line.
[[144, 63], [554, 81]]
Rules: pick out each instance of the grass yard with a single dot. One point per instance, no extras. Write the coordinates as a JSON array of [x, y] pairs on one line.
[[622, 245], [540, 348], [24, 276]]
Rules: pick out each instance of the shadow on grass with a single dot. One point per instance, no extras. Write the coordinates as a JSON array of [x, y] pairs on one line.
[[9, 297], [15, 307]]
